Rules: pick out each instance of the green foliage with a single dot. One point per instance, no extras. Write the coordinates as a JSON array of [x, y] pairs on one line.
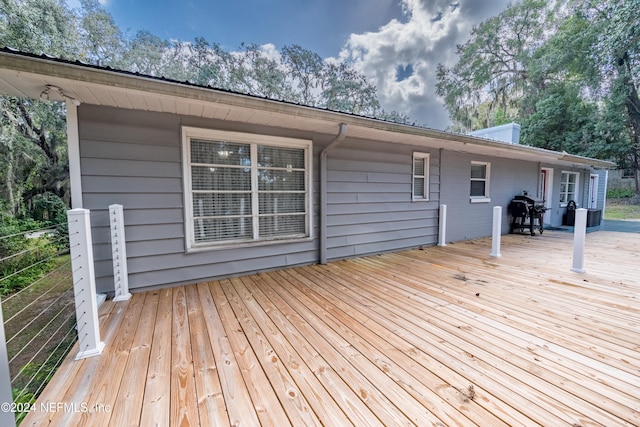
[[24, 257], [48, 208], [493, 64], [567, 71], [101, 40], [33, 141], [33, 378], [620, 193], [562, 121], [39, 26], [23, 400]]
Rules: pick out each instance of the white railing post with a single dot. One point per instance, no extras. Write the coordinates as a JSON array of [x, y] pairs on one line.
[[119, 253], [497, 231], [579, 237], [84, 284], [442, 226], [7, 416]]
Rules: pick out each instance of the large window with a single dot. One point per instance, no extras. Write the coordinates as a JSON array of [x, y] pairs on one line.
[[420, 176], [568, 187], [242, 188], [479, 190]]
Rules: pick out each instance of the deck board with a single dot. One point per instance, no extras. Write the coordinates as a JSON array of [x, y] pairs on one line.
[[131, 391], [156, 399], [184, 406], [211, 406], [445, 336]]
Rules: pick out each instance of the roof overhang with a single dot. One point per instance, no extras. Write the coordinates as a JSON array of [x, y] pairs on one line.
[[28, 76]]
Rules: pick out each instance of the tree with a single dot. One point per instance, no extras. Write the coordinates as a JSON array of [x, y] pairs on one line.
[[562, 121], [38, 26], [598, 50], [344, 89], [306, 70], [617, 52], [205, 64], [571, 78], [493, 65], [33, 132], [36, 154], [101, 39]]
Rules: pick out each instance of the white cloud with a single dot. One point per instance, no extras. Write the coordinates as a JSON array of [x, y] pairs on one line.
[[269, 51], [426, 36]]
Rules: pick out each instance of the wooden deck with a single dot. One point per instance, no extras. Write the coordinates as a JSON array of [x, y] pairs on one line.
[[441, 336]]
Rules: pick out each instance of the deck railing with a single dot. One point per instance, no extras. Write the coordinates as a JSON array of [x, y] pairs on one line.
[[38, 311], [48, 304]]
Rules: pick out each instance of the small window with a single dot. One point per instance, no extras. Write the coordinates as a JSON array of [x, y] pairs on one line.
[[243, 188], [479, 189], [568, 187], [420, 176]]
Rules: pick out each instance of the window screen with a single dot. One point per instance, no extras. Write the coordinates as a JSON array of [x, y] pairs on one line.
[[479, 179], [420, 176], [246, 192]]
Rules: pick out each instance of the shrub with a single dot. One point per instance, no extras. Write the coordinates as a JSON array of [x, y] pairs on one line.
[[620, 193], [25, 258]]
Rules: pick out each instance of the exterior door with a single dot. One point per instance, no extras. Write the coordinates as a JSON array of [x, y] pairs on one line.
[[545, 191], [593, 191]]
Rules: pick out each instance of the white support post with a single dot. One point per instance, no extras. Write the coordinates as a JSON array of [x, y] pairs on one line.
[[7, 417], [84, 284], [119, 253], [73, 150], [442, 226], [497, 231], [579, 237]]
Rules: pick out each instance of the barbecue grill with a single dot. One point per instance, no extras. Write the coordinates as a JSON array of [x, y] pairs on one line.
[[526, 213]]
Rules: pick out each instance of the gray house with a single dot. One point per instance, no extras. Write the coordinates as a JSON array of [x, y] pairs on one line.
[[217, 184]]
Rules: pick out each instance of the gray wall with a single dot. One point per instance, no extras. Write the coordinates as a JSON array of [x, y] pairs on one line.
[[370, 207], [557, 211], [150, 189], [508, 178], [134, 158]]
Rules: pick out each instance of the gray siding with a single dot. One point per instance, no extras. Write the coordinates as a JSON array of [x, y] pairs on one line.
[[557, 210], [466, 220], [134, 158], [370, 207]]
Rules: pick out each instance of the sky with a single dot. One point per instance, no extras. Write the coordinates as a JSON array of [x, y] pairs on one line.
[[397, 44]]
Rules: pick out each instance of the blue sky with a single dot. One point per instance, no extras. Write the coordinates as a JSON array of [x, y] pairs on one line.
[[397, 44], [322, 26]]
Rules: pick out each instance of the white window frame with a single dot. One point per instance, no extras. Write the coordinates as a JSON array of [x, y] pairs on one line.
[[425, 157], [487, 180], [575, 193], [254, 140]]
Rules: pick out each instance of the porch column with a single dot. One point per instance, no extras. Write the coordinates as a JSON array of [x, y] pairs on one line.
[[73, 141]]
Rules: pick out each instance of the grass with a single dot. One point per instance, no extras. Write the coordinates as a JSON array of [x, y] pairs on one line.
[[625, 208]]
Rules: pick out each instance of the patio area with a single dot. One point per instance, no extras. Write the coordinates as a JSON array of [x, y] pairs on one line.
[[429, 337]]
